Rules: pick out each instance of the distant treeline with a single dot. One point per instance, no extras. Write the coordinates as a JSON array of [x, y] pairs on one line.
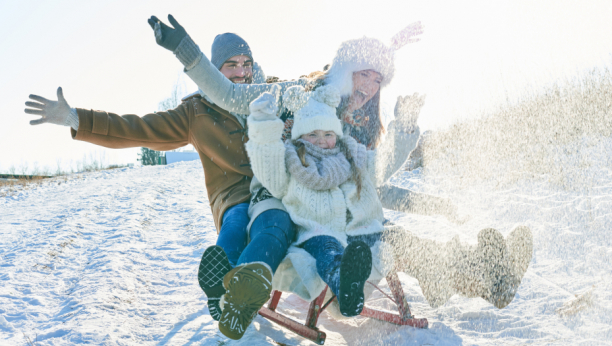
[[21, 176]]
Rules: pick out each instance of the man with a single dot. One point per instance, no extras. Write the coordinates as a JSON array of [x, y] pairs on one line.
[[219, 138]]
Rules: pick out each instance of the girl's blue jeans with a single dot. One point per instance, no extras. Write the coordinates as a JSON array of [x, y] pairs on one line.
[[328, 251]]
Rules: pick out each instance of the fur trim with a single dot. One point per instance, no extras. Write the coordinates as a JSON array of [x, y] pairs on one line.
[[297, 274], [357, 55]]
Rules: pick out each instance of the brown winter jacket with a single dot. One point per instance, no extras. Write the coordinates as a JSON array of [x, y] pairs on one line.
[[216, 134]]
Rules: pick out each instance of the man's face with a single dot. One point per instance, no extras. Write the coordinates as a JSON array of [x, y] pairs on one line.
[[238, 69]]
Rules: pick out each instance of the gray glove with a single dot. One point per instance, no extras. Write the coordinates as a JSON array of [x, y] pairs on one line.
[[166, 36], [54, 112], [176, 40], [407, 111]]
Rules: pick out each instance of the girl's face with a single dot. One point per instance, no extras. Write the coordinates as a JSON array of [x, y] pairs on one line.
[[366, 84], [322, 139]]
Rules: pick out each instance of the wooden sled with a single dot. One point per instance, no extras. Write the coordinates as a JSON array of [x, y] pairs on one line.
[[309, 329]]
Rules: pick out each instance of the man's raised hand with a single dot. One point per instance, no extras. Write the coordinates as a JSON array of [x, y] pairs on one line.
[[165, 35], [54, 112]]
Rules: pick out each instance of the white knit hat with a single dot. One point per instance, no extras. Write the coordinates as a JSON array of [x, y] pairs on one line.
[[314, 110], [365, 54]]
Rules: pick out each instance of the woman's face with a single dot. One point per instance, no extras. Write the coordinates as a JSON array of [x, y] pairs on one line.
[[320, 138], [366, 84]]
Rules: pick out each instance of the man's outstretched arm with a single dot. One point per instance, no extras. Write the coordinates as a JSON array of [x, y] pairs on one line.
[[159, 131], [54, 112], [229, 96]]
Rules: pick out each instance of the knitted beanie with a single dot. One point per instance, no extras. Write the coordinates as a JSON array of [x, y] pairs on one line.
[[314, 110], [226, 46]]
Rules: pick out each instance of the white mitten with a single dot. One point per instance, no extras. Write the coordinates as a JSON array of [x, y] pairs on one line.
[[264, 107], [407, 111], [54, 112]]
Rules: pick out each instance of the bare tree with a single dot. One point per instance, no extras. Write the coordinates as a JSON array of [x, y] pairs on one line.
[[179, 89]]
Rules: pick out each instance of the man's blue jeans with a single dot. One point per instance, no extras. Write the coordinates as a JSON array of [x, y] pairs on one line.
[[270, 236]]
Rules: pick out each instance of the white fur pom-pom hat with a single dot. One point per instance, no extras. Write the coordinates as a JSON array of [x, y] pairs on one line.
[[366, 54], [314, 110], [358, 55]]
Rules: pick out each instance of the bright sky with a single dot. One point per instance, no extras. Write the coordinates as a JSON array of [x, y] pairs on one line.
[[472, 56]]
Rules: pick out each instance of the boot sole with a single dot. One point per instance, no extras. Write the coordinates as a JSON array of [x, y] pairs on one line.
[[248, 289], [355, 269], [520, 244], [213, 267]]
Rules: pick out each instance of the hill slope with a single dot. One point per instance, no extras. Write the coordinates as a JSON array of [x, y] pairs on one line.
[[111, 258]]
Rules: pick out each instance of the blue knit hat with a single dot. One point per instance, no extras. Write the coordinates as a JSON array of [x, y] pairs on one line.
[[226, 46]]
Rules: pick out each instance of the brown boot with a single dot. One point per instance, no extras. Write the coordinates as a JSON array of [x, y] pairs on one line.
[[248, 289], [426, 260], [493, 270]]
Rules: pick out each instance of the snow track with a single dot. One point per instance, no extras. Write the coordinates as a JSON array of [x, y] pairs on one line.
[[110, 258]]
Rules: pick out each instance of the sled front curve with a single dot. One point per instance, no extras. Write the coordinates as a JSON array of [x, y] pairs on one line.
[[309, 329]]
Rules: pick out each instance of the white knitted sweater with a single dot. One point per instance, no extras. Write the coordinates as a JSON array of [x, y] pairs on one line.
[[324, 212]]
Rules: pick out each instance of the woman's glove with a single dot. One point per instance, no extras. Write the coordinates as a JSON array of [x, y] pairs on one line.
[[54, 112], [407, 111]]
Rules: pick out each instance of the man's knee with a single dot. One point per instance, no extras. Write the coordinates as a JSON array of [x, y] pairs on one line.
[[276, 223], [237, 215]]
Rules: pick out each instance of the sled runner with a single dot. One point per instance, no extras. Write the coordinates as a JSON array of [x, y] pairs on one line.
[[309, 329]]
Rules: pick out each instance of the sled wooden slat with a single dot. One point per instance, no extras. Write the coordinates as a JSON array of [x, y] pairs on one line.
[[314, 310], [394, 318], [276, 295], [309, 329], [298, 328], [398, 293]]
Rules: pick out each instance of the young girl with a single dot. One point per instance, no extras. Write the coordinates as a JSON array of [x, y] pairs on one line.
[[327, 183]]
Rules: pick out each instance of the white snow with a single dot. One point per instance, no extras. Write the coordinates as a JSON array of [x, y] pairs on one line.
[[111, 258]]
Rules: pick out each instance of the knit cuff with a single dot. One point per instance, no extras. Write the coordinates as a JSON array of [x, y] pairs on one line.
[[188, 53], [264, 132], [73, 119]]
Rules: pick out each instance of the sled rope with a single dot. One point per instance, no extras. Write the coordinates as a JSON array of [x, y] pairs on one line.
[[328, 302], [381, 291]]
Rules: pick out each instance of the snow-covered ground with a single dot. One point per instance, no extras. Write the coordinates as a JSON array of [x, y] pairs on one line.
[[110, 258]]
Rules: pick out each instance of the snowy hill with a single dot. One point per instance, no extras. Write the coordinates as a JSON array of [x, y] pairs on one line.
[[110, 258]]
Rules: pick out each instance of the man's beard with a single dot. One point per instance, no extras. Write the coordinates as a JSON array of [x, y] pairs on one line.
[[247, 80]]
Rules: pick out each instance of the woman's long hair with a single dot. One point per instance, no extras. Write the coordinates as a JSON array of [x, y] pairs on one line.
[[355, 172], [371, 133]]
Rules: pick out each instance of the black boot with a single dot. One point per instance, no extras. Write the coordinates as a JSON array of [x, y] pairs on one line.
[[213, 267], [355, 269]]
